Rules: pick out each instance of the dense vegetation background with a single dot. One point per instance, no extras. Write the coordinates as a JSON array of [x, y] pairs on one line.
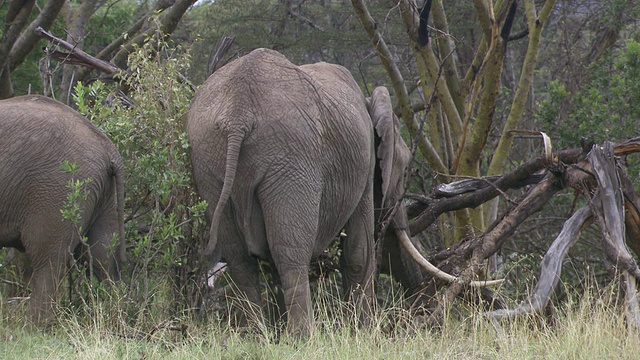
[[574, 74]]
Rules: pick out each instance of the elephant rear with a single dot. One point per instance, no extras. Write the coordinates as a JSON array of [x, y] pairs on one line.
[[284, 156], [37, 135]]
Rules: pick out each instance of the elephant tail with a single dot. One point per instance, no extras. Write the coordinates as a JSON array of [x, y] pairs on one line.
[[118, 173], [234, 142]]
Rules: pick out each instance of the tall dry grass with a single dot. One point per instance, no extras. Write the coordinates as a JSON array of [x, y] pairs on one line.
[[585, 326]]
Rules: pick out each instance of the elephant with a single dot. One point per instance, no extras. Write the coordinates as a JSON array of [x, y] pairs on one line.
[[392, 163], [38, 135], [397, 252], [285, 156]]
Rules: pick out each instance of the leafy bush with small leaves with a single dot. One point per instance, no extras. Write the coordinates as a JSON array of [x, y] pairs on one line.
[[165, 218], [607, 107]]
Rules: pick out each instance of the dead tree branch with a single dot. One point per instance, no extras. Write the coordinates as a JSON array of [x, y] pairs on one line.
[[611, 195], [581, 175], [76, 56], [220, 51], [607, 205], [551, 268], [424, 213], [428, 214], [487, 244]]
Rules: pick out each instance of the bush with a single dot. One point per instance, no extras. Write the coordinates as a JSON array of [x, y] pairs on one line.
[[165, 219], [607, 107]]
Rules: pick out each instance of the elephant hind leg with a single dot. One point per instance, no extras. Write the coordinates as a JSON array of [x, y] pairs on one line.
[[245, 275], [49, 250], [103, 246], [244, 272], [358, 258], [46, 282], [291, 223], [48, 275]]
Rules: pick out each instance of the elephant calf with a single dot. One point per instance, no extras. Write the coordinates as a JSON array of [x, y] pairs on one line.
[[37, 135]]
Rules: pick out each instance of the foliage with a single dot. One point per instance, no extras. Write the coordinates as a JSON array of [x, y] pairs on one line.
[[605, 108], [164, 214], [71, 210], [109, 21], [311, 31]]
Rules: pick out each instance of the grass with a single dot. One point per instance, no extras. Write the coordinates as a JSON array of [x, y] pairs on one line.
[[584, 328]]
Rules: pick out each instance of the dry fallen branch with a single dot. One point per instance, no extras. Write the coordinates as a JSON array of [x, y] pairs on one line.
[[606, 208], [573, 169], [551, 267], [76, 56], [219, 51], [426, 215], [607, 205], [631, 213], [487, 244], [426, 211]]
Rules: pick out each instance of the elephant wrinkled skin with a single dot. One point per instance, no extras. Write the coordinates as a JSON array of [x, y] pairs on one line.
[[284, 156], [37, 135]]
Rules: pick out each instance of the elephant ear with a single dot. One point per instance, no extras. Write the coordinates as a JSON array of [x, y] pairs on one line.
[[392, 153]]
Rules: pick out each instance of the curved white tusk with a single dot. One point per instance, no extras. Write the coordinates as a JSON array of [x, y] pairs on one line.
[[432, 269]]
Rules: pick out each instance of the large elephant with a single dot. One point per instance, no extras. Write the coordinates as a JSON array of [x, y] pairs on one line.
[[37, 135], [284, 156]]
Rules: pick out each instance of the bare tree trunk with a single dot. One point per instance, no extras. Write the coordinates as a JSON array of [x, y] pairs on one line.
[[76, 24], [19, 39]]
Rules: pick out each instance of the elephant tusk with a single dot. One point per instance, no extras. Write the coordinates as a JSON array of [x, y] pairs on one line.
[[432, 269]]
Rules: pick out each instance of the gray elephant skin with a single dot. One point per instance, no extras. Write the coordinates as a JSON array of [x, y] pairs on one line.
[[37, 135], [284, 156], [393, 158]]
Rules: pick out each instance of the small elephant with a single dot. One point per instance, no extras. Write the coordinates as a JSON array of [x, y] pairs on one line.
[[37, 135], [284, 156]]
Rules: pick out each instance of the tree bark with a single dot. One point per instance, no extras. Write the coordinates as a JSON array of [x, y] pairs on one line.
[[76, 20], [19, 39], [402, 95]]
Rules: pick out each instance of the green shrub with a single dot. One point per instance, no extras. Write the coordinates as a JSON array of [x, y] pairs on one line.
[[164, 217], [607, 107]]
